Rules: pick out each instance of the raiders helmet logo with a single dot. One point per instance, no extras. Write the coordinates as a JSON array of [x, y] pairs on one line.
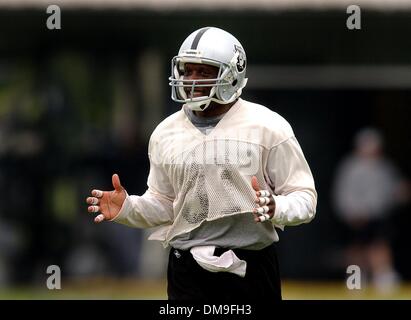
[[241, 60]]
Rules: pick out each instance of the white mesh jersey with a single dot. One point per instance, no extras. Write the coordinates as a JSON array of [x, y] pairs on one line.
[[195, 177]]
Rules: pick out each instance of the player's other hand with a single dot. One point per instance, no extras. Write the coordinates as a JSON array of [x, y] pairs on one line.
[[107, 203], [265, 201]]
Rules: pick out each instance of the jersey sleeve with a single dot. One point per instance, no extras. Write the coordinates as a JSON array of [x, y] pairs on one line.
[[293, 184], [155, 206]]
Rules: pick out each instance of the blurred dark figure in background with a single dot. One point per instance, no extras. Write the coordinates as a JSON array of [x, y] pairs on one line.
[[367, 189]]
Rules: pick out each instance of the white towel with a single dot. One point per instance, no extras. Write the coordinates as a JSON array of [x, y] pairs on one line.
[[227, 262]]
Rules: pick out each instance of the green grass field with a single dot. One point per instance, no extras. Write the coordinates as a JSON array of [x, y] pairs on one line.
[[156, 290]]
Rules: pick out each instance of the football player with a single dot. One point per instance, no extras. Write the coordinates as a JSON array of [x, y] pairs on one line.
[[224, 172]]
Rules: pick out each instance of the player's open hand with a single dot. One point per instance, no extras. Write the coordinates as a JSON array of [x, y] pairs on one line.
[[108, 203], [264, 199]]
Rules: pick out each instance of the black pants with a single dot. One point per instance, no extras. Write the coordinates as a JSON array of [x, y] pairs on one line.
[[187, 280]]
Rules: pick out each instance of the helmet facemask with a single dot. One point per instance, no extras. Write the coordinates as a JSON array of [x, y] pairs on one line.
[[224, 88], [215, 47]]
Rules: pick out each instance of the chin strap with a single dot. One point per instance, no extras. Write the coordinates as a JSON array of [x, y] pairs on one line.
[[198, 105]]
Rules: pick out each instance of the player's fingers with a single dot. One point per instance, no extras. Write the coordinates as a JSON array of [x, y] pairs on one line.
[[262, 210], [256, 216], [97, 193], [263, 200], [263, 193], [115, 179], [255, 184], [264, 217], [99, 218], [92, 200], [263, 213], [93, 209]]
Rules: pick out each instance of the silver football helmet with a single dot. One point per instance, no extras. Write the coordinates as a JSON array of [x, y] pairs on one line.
[[216, 47]]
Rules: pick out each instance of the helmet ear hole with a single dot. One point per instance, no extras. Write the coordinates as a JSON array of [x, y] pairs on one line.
[[234, 83]]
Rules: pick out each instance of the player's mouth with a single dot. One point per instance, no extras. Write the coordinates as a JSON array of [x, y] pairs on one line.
[[196, 93]]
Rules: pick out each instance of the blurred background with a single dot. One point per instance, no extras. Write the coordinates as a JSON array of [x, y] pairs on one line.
[[79, 103]]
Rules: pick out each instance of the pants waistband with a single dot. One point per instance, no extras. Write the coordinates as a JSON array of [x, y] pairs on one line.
[[219, 251]]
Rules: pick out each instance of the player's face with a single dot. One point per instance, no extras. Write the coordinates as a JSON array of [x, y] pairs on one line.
[[195, 71]]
